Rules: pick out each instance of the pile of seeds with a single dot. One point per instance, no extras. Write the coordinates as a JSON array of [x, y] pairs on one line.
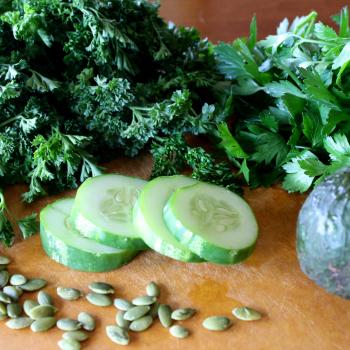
[[137, 315]]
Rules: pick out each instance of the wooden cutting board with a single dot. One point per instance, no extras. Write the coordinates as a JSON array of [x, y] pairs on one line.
[[297, 314]]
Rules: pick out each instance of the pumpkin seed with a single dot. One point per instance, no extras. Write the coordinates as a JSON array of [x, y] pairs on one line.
[[122, 304], [4, 278], [19, 323], [43, 324], [144, 300], [34, 284], [87, 321], [44, 298], [182, 314], [69, 293], [101, 288], [4, 260], [118, 335], [69, 344], [99, 299], [154, 310], [5, 298], [18, 280], [152, 289], [3, 309], [141, 324], [164, 314], [67, 324], [14, 310], [136, 312], [76, 335], [216, 323], [179, 331], [121, 321], [12, 292], [41, 311], [28, 305], [246, 314]]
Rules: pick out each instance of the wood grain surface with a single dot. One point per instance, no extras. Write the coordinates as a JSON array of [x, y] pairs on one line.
[[297, 314]]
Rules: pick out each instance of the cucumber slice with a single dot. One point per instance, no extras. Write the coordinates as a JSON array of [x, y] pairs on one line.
[[69, 248], [148, 217], [213, 222], [103, 210]]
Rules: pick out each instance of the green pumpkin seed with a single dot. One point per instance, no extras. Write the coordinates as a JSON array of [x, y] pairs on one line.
[[136, 312], [44, 298], [179, 331], [141, 324], [101, 288], [18, 280], [4, 278], [87, 321], [152, 289], [154, 310], [164, 314], [41, 311], [246, 314], [99, 299], [14, 310], [216, 323], [19, 323], [43, 324], [76, 335], [122, 304], [118, 335], [69, 293], [121, 321], [34, 284], [4, 260], [182, 314], [144, 300], [67, 324], [3, 309], [28, 305], [69, 344], [12, 292], [5, 298]]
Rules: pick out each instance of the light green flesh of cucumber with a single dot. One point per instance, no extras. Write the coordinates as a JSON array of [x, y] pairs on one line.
[[107, 202], [148, 217]]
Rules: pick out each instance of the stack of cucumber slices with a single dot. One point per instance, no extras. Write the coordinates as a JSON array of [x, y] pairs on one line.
[[113, 217]]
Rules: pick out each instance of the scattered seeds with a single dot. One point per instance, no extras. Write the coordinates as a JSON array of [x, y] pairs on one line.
[[246, 314], [44, 298], [182, 314], [69, 293], [216, 323], [43, 324], [164, 314], [122, 304], [76, 335], [87, 321], [99, 299], [12, 292], [154, 310], [121, 321], [179, 331], [18, 280], [5, 298], [28, 305], [101, 288], [67, 324], [141, 324], [69, 344], [14, 310], [19, 323], [41, 311], [34, 284], [144, 300], [152, 289], [4, 260], [136, 312], [118, 335], [4, 278], [3, 309]]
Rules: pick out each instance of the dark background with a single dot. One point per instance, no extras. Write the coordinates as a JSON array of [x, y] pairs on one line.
[[227, 19]]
